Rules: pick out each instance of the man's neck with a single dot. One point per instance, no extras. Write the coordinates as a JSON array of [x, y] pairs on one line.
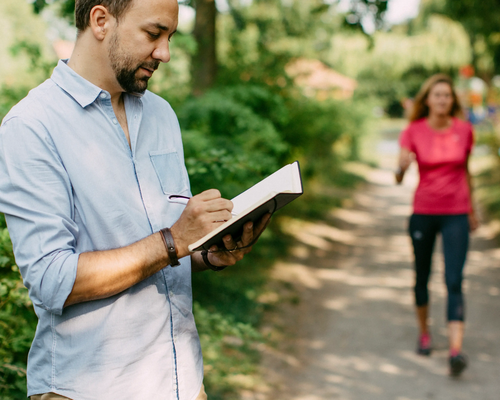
[[94, 67]]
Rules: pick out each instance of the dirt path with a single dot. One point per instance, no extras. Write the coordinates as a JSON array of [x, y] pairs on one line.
[[348, 331]]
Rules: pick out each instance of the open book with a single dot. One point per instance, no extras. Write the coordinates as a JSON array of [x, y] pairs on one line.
[[267, 196]]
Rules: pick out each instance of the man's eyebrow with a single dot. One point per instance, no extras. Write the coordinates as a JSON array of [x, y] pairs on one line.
[[159, 26]]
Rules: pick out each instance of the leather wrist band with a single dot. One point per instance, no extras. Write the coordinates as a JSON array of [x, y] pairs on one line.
[[204, 254], [168, 241]]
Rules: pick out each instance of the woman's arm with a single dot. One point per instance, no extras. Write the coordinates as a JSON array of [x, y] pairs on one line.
[[405, 159], [473, 220]]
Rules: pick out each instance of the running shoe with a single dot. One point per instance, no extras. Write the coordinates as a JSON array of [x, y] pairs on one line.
[[424, 347], [457, 364]]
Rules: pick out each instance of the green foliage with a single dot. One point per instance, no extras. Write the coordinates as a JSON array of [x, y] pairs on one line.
[[34, 53], [17, 323], [173, 80], [360, 9], [258, 40], [324, 134], [399, 61], [480, 19], [9, 96], [488, 181], [229, 353], [24, 51], [228, 311], [231, 139], [66, 7]]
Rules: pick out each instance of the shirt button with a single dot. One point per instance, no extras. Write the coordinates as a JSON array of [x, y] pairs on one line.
[[103, 95], [115, 121]]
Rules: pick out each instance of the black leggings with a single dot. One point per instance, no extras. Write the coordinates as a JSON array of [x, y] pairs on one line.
[[455, 232]]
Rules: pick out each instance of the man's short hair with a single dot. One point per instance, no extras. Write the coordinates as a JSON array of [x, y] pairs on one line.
[[83, 8]]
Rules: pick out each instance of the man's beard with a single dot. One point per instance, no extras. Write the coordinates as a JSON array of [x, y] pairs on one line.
[[125, 68]]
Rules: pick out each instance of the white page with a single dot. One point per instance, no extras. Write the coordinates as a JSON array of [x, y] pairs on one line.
[[281, 181]]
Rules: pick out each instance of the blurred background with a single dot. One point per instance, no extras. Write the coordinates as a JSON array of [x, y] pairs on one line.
[[257, 84]]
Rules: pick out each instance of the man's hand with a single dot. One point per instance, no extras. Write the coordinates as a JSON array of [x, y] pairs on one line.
[[203, 213], [235, 251]]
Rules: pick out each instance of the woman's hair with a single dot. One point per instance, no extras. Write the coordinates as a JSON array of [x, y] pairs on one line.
[[83, 8], [420, 108]]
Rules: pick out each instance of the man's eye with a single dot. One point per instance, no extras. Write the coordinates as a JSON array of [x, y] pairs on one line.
[[153, 35]]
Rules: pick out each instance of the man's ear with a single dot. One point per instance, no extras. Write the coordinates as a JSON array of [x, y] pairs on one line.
[[100, 19]]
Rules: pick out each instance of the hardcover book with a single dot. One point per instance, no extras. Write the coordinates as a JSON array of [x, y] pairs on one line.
[[266, 196]]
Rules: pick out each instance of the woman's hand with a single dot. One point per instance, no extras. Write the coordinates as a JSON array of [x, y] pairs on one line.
[[405, 159], [473, 221]]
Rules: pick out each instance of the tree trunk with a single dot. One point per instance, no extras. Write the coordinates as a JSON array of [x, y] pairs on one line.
[[204, 62]]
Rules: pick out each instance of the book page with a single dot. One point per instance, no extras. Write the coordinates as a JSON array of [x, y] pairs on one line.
[[267, 196], [286, 179]]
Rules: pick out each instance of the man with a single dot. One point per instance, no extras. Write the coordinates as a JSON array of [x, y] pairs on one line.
[[87, 162]]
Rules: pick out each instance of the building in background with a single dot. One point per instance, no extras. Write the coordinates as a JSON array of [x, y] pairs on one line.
[[319, 81]]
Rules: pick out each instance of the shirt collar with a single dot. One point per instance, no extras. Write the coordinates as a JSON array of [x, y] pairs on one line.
[[77, 87], [83, 91]]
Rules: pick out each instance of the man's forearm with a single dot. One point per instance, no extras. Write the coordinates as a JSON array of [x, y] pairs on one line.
[[102, 274]]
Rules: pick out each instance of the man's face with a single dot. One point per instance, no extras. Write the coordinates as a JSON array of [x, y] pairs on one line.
[[140, 42], [127, 68]]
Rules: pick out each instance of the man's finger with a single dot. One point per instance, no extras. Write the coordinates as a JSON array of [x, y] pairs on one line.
[[262, 225], [218, 204], [229, 243], [248, 234], [209, 194], [252, 232]]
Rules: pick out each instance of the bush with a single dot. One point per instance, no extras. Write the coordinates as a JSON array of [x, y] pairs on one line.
[[231, 140], [17, 323], [325, 134]]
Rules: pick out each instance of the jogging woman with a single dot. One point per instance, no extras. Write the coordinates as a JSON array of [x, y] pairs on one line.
[[441, 143]]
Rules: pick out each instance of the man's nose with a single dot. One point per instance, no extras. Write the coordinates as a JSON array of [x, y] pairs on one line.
[[162, 52]]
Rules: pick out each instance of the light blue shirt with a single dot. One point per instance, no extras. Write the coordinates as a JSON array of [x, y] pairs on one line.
[[70, 183]]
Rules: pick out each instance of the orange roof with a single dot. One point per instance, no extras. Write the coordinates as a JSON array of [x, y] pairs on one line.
[[314, 74]]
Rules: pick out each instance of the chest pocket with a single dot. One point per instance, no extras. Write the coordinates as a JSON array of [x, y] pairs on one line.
[[170, 171]]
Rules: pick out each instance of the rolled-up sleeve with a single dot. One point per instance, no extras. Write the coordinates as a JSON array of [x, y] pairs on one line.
[[36, 198]]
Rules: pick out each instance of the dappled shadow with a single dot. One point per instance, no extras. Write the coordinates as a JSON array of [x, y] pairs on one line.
[[353, 333]]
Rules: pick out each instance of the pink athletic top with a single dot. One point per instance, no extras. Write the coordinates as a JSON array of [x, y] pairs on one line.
[[441, 158]]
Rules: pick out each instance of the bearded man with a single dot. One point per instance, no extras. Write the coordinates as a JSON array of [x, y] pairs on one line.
[[87, 162]]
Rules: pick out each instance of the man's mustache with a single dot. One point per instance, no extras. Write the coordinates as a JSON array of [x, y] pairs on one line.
[[153, 65]]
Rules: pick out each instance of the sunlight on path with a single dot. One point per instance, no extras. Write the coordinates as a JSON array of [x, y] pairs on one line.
[[352, 335]]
